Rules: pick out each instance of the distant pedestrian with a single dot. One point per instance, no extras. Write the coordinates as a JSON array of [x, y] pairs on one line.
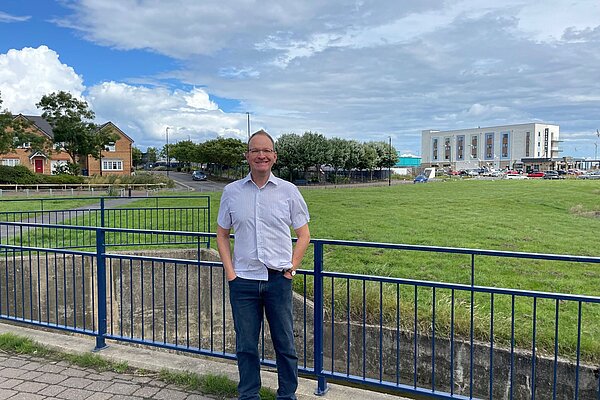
[[261, 208]]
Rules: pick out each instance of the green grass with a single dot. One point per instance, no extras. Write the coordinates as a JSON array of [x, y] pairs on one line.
[[559, 217], [216, 385]]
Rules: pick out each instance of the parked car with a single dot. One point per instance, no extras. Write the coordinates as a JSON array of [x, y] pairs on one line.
[[198, 176], [590, 175], [535, 174], [515, 176], [552, 175], [420, 179]]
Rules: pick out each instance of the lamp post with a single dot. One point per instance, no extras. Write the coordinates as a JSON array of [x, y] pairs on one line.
[[390, 164], [248, 115], [167, 151], [596, 144]]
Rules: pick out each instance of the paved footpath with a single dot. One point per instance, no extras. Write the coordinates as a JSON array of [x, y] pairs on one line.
[[27, 377], [32, 378]]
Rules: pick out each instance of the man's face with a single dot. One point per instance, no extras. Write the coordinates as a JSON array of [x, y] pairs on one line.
[[261, 155]]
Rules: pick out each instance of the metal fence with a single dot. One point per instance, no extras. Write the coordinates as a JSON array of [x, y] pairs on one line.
[[424, 337], [138, 212]]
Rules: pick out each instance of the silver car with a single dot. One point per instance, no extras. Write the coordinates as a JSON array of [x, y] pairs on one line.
[[590, 175]]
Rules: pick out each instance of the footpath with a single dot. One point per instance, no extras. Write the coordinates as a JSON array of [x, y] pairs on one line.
[[30, 377]]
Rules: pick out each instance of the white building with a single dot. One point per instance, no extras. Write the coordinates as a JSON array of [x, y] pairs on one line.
[[533, 146]]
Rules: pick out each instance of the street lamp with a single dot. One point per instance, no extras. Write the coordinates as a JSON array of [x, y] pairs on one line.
[[167, 151], [596, 144], [248, 115]]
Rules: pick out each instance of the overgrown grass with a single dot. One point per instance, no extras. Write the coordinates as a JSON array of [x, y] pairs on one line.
[[213, 384]]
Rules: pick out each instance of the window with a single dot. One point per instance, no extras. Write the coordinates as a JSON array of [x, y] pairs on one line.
[[447, 148], [489, 146], [474, 150], [527, 143], [435, 149], [112, 165], [504, 144], [110, 146], [460, 147], [11, 162], [26, 145]]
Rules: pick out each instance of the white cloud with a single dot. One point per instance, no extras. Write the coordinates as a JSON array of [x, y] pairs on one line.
[[5, 17], [28, 74], [144, 113]]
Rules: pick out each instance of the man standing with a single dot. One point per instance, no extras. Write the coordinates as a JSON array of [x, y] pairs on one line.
[[261, 208]]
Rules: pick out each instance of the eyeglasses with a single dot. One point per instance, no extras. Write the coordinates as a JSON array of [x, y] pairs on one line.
[[266, 152]]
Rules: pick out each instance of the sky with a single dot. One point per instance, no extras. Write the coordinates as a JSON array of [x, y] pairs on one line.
[[367, 70]]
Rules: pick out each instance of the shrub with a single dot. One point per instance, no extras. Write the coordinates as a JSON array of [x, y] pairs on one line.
[[18, 174], [63, 178]]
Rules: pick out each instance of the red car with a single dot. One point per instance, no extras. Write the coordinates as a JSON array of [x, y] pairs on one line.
[[535, 174]]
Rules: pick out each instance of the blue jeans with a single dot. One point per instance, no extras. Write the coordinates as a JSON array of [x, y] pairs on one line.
[[249, 299]]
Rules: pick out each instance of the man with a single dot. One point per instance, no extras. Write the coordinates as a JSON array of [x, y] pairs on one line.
[[261, 208]]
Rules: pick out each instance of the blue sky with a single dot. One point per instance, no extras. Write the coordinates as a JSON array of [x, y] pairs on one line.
[[357, 69]]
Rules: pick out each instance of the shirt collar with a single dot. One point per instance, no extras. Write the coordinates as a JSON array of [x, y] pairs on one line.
[[272, 179]]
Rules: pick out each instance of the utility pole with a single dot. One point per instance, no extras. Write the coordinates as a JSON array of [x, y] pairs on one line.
[[248, 115], [390, 164], [167, 151]]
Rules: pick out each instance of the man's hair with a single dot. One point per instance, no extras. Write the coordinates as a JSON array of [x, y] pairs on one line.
[[261, 132]]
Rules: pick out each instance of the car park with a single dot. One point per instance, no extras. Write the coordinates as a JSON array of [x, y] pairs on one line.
[[198, 176], [535, 174], [590, 175], [420, 179]]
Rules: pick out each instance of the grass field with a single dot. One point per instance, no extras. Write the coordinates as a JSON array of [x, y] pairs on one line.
[[557, 217]]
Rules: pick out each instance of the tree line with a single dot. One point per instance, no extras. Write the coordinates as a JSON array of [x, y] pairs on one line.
[[298, 156]]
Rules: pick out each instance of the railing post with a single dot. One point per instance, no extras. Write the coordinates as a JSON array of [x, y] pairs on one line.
[[318, 318], [102, 213], [101, 282]]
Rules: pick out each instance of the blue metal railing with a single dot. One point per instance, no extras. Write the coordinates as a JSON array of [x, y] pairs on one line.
[[422, 337], [149, 213]]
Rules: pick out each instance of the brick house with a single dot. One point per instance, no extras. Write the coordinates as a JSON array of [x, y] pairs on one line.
[[116, 159]]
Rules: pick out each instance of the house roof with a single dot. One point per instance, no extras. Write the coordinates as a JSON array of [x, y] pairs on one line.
[[45, 127]]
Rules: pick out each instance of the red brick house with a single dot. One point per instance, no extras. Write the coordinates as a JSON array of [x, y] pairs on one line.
[[116, 159]]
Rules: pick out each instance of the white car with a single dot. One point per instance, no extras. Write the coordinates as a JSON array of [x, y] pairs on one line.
[[515, 176]]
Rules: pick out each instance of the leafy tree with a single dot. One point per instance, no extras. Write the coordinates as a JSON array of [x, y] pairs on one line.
[[15, 131], [386, 156], [368, 157], [288, 156], [152, 154], [184, 151], [312, 148], [71, 121], [355, 154], [136, 156], [338, 154]]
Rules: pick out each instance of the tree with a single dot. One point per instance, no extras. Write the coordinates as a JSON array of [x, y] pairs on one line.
[[339, 152], [184, 152], [152, 154], [74, 132], [288, 156], [14, 132], [136, 156], [313, 149]]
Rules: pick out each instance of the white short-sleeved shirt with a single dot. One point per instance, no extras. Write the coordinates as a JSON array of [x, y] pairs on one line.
[[261, 219]]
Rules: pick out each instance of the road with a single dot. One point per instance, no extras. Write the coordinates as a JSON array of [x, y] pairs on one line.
[[185, 178]]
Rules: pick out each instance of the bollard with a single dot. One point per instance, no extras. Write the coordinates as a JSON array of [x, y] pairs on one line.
[[50, 191], [27, 192], [129, 191], [72, 192]]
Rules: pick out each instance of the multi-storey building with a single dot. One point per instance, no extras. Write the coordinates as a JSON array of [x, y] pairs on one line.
[[532, 146]]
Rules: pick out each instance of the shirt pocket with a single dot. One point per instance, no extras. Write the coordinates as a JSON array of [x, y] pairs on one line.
[[281, 212]]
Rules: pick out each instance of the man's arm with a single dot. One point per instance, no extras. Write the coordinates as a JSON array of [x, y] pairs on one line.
[[224, 246], [303, 235]]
